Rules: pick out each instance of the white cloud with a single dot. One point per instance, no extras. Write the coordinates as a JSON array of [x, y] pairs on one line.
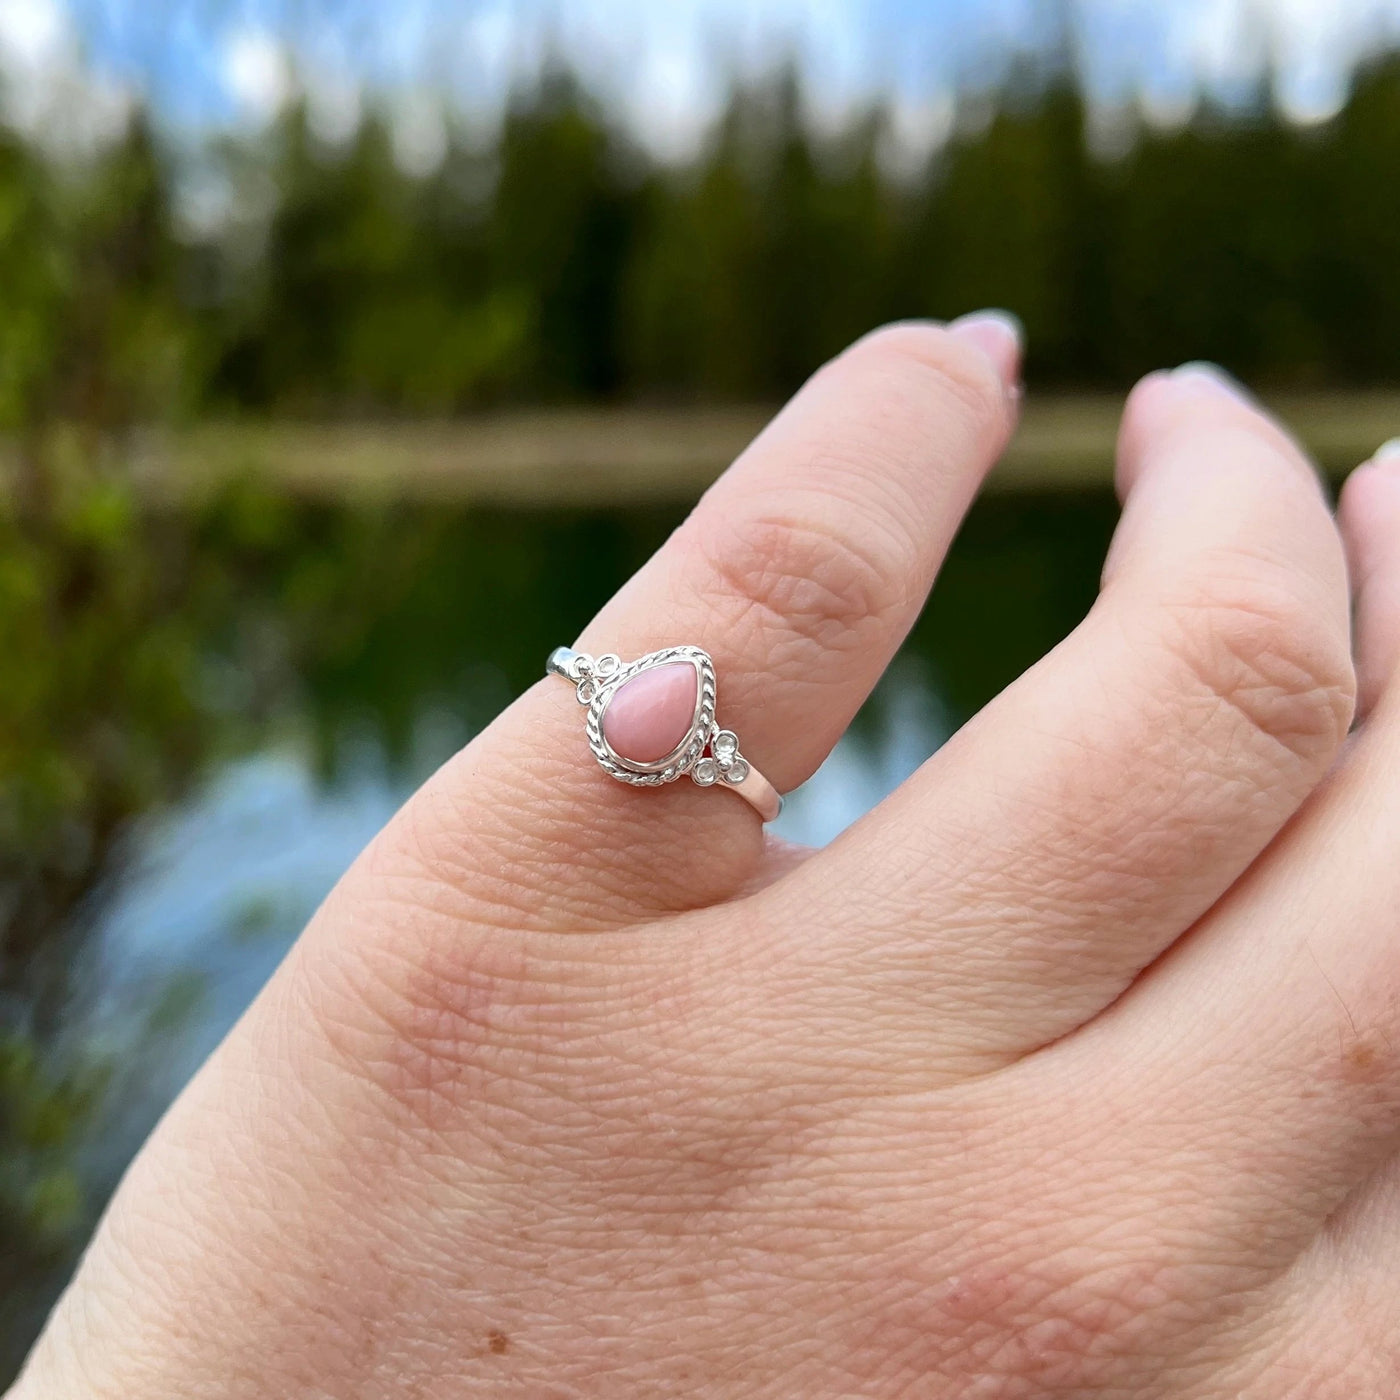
[[334, 106], [33, 33], [1225, 45], [48, 91], [419, 134], [1318, 43], [204, 202], [916, 130], [667, 66], [257, 72]]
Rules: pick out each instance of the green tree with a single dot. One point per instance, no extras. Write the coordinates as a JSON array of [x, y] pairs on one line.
[[1355, 287], [561, 234]]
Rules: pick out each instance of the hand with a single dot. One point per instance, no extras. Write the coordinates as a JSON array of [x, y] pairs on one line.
[[1072, 1070]]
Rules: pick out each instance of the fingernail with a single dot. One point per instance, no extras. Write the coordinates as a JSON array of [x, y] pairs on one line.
[[1207, 374], [1000, 336], [1388, 455]]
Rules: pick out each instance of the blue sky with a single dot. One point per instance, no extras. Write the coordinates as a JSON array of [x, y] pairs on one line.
[[664, 62]]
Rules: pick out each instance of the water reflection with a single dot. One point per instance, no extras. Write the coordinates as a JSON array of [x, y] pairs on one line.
[[393, 638]]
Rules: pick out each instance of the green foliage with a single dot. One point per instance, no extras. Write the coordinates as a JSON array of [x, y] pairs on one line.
[[40, 1114], [42, 1207], [95, 330], [1013, 215], [141, 643], [767, 257], [557, 262]]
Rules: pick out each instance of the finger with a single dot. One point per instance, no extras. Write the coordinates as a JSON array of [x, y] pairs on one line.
[[1365, 1232], [1274, 1028], [800, 572], [807, 563], [1370, 519], [1071, 832], [1289, 995]]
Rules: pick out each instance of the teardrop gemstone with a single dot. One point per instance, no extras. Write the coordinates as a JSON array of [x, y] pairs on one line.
[[649, 716]]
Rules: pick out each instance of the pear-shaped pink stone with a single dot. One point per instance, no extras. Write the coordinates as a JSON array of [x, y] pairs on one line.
[[649, 716]]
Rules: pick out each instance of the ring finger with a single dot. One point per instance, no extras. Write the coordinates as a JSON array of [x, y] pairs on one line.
[[800, 572]]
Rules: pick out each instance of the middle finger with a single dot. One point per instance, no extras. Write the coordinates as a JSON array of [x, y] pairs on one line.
[[1090, 814]]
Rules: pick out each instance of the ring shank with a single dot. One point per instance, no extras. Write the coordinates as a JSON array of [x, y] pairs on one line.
[[563, 662], [759, 793]]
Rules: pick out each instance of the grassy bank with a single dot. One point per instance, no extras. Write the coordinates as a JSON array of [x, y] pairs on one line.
[[592, 456]]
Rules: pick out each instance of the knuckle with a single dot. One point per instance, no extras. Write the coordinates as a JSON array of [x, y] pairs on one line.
[[1061, 1324], [782, 573], [506, 1048], [1067, 1334], [1252, 640], [428, 1022], [826, 576]]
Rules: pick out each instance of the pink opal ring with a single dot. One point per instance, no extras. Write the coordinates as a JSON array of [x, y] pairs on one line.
[[652, 720]]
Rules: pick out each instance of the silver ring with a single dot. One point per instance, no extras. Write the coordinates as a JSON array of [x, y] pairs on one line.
[[652, 720]]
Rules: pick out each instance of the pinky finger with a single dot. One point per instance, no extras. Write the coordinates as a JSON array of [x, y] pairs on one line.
[[1369, 516]]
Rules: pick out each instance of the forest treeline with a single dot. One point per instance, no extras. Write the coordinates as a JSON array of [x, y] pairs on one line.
[[560, 262]]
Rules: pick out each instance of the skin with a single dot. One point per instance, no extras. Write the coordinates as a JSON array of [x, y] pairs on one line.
[[1072, 1070]]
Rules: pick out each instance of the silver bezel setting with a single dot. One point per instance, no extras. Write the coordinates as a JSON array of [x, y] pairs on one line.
[[709, 754], [687, 753]]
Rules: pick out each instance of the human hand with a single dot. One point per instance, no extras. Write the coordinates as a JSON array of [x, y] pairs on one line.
[[1071, 1070]]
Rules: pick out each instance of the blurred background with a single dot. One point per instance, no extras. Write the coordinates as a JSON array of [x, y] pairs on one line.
[[351, 352]]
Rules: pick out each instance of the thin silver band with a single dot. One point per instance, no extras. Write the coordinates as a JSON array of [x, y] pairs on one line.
[[708, 754]]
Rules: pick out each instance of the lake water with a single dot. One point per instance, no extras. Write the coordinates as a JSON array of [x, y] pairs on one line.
[[440, 616]]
